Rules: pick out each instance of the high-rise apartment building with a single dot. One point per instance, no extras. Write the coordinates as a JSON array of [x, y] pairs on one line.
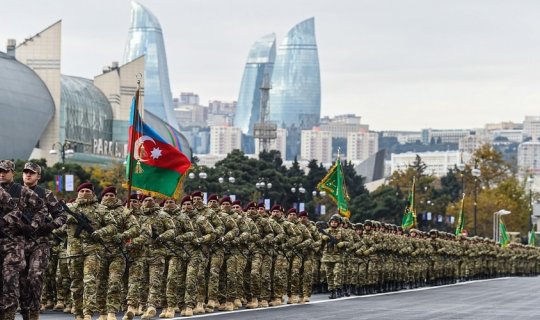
[[224, 139], [279, 144], [342, 125], [259, 64], [361, 145], [316, 144], [146, 38], [438, 163], [531, 127], [295, 97], [528, 158]]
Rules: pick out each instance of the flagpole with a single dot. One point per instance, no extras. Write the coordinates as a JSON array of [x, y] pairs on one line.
[[415, 222], [132, 142]]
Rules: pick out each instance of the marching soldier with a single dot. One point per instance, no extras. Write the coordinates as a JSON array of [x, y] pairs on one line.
[[335, 243], [298, 254]]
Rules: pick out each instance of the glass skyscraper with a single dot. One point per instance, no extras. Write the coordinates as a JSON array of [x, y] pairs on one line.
[[295, 98], [146, 38], [260, 63]]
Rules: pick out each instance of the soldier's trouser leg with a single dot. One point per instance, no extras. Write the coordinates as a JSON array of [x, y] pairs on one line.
[[116, 271], [102, 281], [12, 263], [31, 278], [156, 268], [181, 284], [255, 276], [231, 277], [173, 280], [280, 276], [192, 278], [144, 284], [91, 273], [50, 287], [266, 277], [216, 262], [241, 262], [307, 277], [330, 267], [201, 278], [76, 271], [222, 292], [294, 275], [134, 281], [63, 281]]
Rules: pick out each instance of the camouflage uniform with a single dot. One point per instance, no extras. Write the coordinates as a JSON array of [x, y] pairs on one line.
[[308, 257], [135, 252], [335, 243], [297, 255]]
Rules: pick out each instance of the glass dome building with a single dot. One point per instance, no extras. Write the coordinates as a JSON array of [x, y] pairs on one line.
[[27, 107]]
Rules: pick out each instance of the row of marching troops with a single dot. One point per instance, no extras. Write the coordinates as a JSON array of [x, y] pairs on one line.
[[138, 256]]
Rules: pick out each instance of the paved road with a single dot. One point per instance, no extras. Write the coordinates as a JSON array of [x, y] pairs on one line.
[[504, 298]]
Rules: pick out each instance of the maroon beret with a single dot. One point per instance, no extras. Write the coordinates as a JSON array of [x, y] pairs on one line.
[[134, 196], [292, 210], [144, 196], [85, 185], [250, 205], [225, 199], [237, 203], [276, 207], [162, 202], [109, 189], [185, 199], [302, 214], [213, 197], [261, 205], [197, 194]]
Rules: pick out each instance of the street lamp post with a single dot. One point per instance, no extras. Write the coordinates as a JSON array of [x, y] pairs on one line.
[[202, 175], [64, 150], [263, 186], [298, 190], [316, 193], [229, 180], [476, 174], [461, 168]]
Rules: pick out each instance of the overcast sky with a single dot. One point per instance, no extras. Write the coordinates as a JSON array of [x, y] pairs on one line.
[[399, 64]]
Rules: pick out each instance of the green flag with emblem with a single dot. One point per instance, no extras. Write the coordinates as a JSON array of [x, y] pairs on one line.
[[409, 217], [334, 185], [504, 240], [532, 236], [461, 218]]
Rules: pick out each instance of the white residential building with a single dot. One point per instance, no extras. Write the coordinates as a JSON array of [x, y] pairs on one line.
[[361, 145], [316, 144], [528, 158], [224, 139], [531, 127], [438, 163]]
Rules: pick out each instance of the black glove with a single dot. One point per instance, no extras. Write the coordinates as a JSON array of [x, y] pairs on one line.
[[45, 229], [25, 229]]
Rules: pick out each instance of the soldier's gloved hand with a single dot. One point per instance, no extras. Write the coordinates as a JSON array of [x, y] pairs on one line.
[[197, 241], [96, 235], [45, 229], [325, 237], [118, 238], [25, 228], [341, 244]]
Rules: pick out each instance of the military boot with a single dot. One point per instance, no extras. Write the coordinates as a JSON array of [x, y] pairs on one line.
[[333, 294], [102, 317], [263, 304], [87, 317], [130, 313], [222, 307], [253, 304], [140, 311], [188, 312], [210, 306], [111, 316], [229, 306], [25, 314], [59, 305], [339, 293], [150, 313], [34, 315], [49, 304], [347, 290], [199, 309]]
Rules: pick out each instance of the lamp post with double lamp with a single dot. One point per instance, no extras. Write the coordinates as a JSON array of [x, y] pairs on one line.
[[229, 180], [263, 186], [298, 190], [496, 217], [318, 204], [476, 174], [202, 176], [64, 151]]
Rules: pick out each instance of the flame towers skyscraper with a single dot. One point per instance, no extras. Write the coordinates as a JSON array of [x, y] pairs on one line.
[[146, 38], [295, 98]]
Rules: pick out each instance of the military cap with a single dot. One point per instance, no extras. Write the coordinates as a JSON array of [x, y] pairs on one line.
[[186, 198], [237, 203], [146, 196], [320, 224], [85, 185], [225, 199], [31, 166], [213, 197], [291, 210], [250, 205], [399, 228], [276, 207], [359, 226], [134, 196], [433, 231], [109, 189], [7, 165], [368, 223], [303, 213], [197, 194]]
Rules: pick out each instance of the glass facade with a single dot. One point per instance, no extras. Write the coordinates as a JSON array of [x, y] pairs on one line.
[[27, 106], [146, 38], [85, 114], [295, 98], [260, 62]]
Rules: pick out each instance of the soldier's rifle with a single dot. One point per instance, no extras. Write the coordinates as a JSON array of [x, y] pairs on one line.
[[83, 224], [26, 218], [332, 242], [155, 235], [6, 235]]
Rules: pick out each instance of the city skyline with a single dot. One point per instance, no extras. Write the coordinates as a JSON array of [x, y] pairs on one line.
[[397, 65]]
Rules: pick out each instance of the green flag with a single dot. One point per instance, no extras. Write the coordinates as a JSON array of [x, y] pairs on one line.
[[334, 185], [504, 240], [532, 237], [409, 217], [461, 218]]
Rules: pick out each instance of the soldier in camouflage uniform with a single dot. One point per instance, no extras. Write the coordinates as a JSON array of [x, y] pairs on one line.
[[240, 251], [348, 261], [308, 254], [279, 261], [87, 249], [154, 225], [319, 278], [335, 242], [12, 240], [245, 288], [113, 266], [360, 271], [37, 248], [297, 254]]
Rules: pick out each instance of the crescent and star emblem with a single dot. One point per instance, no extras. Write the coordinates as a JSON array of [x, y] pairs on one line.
[[140, 153]]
